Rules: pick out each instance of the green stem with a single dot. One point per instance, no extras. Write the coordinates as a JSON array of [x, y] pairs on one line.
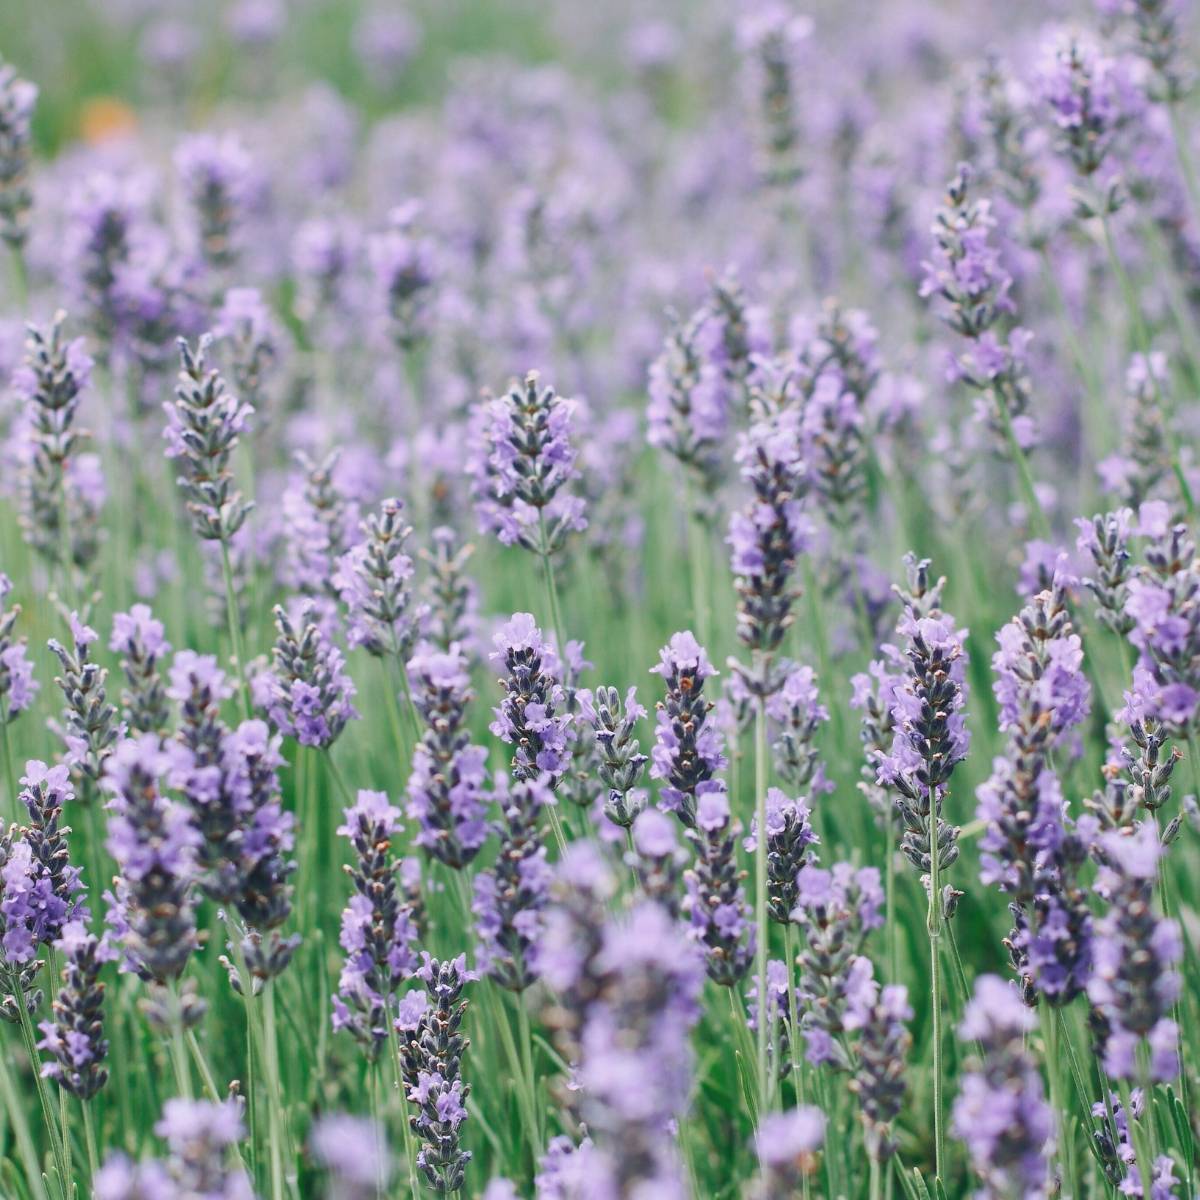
[[89, 1137], [1050, 1018], [20, 277], [52, 1129], [525, 1083], [698, 565], [235, 627], [934, 926], [1186, 166], [276, 1120], [179, 1058], [760, 895], [889, 878], [410, 1152], [1037, 514], [16, 1115], [527, 1054], [10, 780]]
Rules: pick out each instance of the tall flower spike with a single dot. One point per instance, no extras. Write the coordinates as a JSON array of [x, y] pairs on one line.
[[835, 911], [45, 791], [449, 594], [1137, 472], [318, 525], [204, 422], [445, 789], [250, 762], [533, 716], [75, 1037], [373, 579], [138, 638], [50, 381], [245, 323], [1105, 538], [621, 762], [377, 928], [1135, 980], [432, 1063], [716, 906], [403, 264], [972, 288], [528, 462], [1028, 848], [688, 413], [510, 897], [215, 172], [89, 722], [797, 713], [17, 98], [930, 736], [154, 844], [1001, 1112], [658, 859], [738, 334], [309, 693], [779, 1027], [17, 684], [880, 1066], [767, 538], [789, 836]]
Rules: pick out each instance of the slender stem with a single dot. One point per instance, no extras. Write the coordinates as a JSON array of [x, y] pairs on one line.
[[551, 586], [20, 277], [524, 1081], [698, 565], [760, 895], [6, 764], [876, 1190], [1186, 166], [410, 1152], [179, 1058], [235, 627], [403, 748], [1049, 1018], [1037, 514], [277, 1124], [934, 926], [17, 1116], [52, 1129], [889, 881], [527, 1055], [89, 1137]]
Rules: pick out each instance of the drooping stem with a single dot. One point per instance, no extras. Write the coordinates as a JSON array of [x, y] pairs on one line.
[[235, 627]]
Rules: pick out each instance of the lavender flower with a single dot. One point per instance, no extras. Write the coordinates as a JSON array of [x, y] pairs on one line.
[[1106, 539], [789, 836], [309, 694], [1135, 980], [31, 915], [318, 526], [17, 684], [835, 911], [449, 595], [972, 288], [1156, 38], [45, 791], [75, 1037], [89, 722], [215, 172], [533, 716], [659, 859], [377, 929], [736, 337], [17, 98], [716, 900], [403, 264], [203, 425], [528, 462], [930, 736], [445, 789], [155, 846], [354, 1151], [687, 749], [1001, 1112], [261, 866], [1138, 471], [788, 1144], [138, 638], [373, 579], [688, 414], [245, 323], [767, 538], [779, 1027], [510, 897], [432, 1062], [1028, 848], [797, 713], [878, 1017], [621, 762], [54, 511]]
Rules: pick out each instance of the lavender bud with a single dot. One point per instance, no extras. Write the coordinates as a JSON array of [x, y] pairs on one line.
[[1081, 88], [716, 905], [779, 1028], [377, 931], [789, 836], [138, 638], [659, 859], [620, 761], [835, 911], [318, 525], [245, 323], [688, 749], [881, 1052], [309, 694], [445, 789], [403, 264], [450, 596], [510, 897], [17, 98], [17, 684], [1106, 539], [44, 793], [215, 173], [75, 1037], [797, 713], [203, 425], [89, 722], [1138, 471]]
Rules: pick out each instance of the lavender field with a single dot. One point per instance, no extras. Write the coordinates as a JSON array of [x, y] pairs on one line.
[[599, 600]]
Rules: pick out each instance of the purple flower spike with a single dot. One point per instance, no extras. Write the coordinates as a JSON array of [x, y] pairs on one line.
[[17, 684], [75, 1037], [17, 100]]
